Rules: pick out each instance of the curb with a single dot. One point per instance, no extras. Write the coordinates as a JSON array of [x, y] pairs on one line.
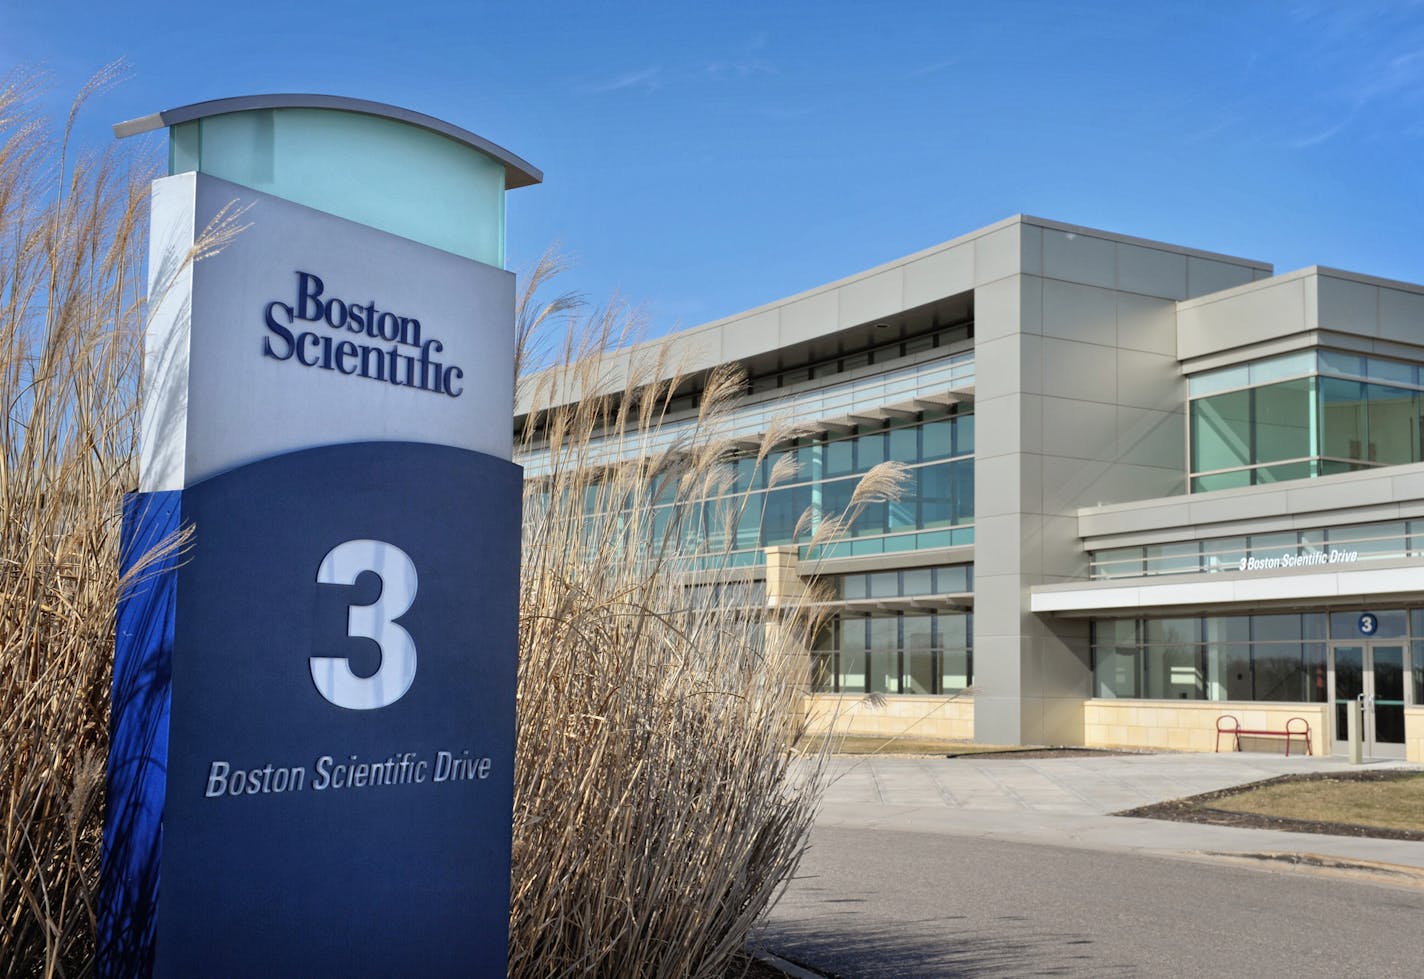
[[1402, 873], [788, 968]]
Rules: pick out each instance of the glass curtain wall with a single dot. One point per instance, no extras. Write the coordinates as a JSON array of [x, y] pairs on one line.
[[1306, 414], [762, 504], [1243, 657], [895, 653]]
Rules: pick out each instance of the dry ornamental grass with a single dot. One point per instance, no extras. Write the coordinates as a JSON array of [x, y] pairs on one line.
[[658, 808]]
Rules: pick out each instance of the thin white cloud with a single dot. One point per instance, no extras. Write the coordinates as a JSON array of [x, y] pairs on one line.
[[647, 79], [938, 66], [1321, 136]]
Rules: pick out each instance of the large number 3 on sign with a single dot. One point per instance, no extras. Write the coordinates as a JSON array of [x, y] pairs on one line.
[[342, 565]]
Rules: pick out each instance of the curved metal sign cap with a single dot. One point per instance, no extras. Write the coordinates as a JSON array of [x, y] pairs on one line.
[[518, 172]]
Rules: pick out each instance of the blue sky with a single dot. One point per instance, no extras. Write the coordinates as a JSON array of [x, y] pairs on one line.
[[701, 159]]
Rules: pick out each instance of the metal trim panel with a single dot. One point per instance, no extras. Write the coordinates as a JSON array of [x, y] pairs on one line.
[[518, 172]]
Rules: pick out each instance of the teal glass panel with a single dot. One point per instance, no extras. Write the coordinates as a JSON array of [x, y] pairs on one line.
[[963, 435], [1284, 416], [938, 439], [962, 480], [1216, 481], [936, 493], [937, 538], [904, 542], [1221, 431], [390, 175], [836, 494], [1338, 362], [840, 457], [184, 147], [1389, 371], [961, 537], [1392, 424], [1283, 471], [1342, 418], [869, 451], [904, 445], [1275, 368], [1225, 379]]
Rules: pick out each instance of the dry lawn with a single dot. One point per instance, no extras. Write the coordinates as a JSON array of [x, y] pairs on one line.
[[1390, 804], [864, 744]]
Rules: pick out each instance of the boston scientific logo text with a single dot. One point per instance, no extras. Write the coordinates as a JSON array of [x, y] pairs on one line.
[[391, 348]]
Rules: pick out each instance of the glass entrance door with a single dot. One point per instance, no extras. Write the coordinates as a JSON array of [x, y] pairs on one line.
[[1371, 674]]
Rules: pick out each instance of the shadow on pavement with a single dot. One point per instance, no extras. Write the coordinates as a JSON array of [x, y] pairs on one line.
[[838, 946]]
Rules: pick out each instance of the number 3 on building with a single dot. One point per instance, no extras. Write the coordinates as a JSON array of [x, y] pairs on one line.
[[334, 679]]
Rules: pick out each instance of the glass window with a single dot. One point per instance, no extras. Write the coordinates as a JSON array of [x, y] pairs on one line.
[[961, 477], [1227, 628], [1275, 628], [1389, 371], [854, 586], [1115, 632], [1118, 562], [884, 655], [1338, 362], [1175, 672], [852, 657], [1274, 545], [1284, 420], [1342, 418], [955, 579], [920, 667], [1228, 667], [1389, 624], [869, 451], [1289, 672], [1291, 365], [1378, 538], [963, 434], [1417, 651], [1175, 631], [936, 493], [840, 457], [884, 584], [905, 445], [1116, 671], [938, 439], [1393, 418], [1221, 431], [1216, 481], [919, 581], [1225, 379], [1223, 554], [1173, 558]]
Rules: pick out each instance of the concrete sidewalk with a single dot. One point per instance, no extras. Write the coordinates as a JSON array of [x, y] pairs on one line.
[[1067, 802]]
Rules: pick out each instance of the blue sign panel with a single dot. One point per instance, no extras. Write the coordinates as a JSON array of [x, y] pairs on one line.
[[1368, 624], [339, 728]]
